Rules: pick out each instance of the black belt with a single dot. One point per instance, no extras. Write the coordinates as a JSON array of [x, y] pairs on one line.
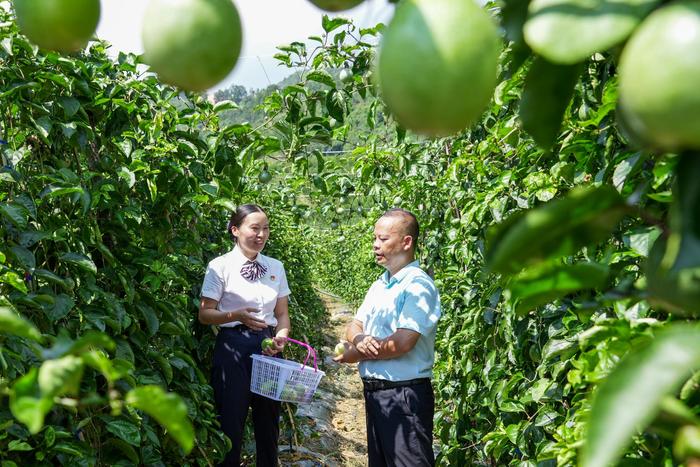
[[243, 327], [374, 384]]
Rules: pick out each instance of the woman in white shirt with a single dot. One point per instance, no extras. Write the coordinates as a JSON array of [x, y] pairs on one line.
[[246, 294]]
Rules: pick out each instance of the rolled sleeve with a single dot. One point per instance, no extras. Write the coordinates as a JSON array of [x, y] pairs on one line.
[[213, 285], [421, 307]]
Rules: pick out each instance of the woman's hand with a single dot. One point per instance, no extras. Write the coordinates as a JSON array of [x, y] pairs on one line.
[[246, 316], [278, 344]]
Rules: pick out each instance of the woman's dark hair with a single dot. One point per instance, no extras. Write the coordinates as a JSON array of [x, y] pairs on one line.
[[239, 216]]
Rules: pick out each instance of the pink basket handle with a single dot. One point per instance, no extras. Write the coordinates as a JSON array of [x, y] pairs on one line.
[[308, 353]]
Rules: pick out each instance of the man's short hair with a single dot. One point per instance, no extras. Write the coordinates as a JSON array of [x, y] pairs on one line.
[[409, 224]]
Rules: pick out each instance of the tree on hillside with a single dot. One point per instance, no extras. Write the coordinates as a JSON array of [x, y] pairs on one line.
[[235, 93]]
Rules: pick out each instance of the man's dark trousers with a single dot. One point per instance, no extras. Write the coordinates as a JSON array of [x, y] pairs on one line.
[[231, 382], [400, 425]]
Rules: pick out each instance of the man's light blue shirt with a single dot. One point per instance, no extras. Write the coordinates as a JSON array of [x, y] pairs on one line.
[[407, 300]]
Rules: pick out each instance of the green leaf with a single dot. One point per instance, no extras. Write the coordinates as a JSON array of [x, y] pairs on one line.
[[629, 398], [49, 276], [127, 175], [625, 168], [641, 240], [125, 430], [673, 267], [70, 106], [80, 260], [168, 409], [570, 31], [539, 286], [26, 402], [329, 24], [127, 451], [62, 305], [61, 376], [226, 203], [150, 318], [225, 105], [546, 95], [92, 340], [13, 279], [335, 104], [44, 125], [111, 370], [17, 445], [25, 257], [27, 239], [559, 228], [558, 348], [12, 323], [321, 76], [54, 191], [15, 214]]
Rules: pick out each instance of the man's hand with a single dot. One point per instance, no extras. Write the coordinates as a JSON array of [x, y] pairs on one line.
[[245, 316], [367, 346], [350, 355]]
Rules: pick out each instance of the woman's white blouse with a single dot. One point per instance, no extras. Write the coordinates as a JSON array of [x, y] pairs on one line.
[[223, 282]]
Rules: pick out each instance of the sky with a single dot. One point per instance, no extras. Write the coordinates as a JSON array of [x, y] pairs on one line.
[[266, 24]]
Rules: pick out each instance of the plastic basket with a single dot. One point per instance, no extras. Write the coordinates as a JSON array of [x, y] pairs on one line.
[[285, 380]]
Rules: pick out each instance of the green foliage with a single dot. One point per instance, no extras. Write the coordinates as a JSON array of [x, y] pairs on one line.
[[114, 194], [559, 250], [566, 214]]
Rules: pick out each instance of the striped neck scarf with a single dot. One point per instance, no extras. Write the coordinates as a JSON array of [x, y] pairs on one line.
[[252, 270]]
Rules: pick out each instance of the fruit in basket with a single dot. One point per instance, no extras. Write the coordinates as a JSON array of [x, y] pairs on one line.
[[268, 344], [339, 349], [293, 390], [268, 387]]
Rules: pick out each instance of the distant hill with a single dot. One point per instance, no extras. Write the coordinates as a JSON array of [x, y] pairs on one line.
[[249, 101]]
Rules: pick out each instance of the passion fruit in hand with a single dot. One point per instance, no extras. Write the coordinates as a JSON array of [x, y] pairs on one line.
[[192, 44], [268, 344], [659, 98], [61, 25], [339, 349], [438, 64]]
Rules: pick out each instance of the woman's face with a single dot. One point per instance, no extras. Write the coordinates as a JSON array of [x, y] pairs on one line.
[[253, 233]]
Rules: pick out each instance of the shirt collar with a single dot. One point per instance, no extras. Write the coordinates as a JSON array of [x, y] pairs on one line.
[[403, 272], [240, 258]]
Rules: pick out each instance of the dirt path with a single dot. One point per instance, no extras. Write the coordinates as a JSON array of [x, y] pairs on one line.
[[332, 427]]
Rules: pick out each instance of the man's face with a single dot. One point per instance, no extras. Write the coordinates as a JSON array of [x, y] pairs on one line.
[[391, 243]]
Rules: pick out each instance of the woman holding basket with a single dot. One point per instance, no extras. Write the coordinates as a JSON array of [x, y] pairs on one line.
[[245, 293]]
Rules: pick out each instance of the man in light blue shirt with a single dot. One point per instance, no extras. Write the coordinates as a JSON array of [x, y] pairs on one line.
[[393, 338]]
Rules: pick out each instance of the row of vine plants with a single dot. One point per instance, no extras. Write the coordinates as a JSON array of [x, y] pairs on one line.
[[114, 194], [568, 333]]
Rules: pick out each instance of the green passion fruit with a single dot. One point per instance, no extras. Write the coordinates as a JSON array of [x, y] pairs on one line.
[[336, 5], [339, 349], [268, 344], [61, 25], [345, 75], [437, 64], [659, 97], [264, 176], [192, 44]]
